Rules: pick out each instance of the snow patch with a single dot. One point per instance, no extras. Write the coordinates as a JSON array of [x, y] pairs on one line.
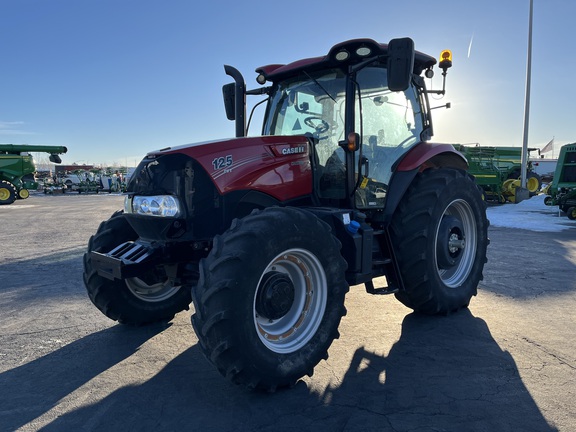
[[531, 214]]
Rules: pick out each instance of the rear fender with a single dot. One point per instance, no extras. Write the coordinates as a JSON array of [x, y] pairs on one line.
[[429, 155], [422, 157]]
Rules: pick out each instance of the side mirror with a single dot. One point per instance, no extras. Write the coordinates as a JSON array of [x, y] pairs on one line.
[[400, 63], [229, 93]]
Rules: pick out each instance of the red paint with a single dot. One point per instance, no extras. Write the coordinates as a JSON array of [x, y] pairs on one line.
[[276, 165], [424, 151]]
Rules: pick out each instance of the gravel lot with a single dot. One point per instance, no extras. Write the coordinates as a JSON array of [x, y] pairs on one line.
[[506, 364]]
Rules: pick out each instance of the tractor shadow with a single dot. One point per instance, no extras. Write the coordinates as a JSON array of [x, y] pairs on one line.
[[53, 275], [444, 374], [30, 390]]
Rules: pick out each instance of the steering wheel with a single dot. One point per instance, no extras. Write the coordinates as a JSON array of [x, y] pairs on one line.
[[317, 123]]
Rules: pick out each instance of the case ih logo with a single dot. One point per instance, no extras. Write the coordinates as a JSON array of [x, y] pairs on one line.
[[293, 150], [286, 150]]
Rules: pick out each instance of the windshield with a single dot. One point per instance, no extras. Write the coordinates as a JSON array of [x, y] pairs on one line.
[[311, 106], [389, 123]]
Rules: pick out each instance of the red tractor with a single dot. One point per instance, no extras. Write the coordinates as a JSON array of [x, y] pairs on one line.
[[266, 234]]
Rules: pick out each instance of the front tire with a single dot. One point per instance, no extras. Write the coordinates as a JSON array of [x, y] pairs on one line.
[[270, 298], [440, 232], [533, 183], [23, 193], [136, 301]]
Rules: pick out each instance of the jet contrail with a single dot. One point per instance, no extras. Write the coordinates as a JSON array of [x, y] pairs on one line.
[[470, 45]]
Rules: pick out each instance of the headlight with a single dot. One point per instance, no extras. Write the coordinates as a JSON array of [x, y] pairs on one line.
[[155, 205]]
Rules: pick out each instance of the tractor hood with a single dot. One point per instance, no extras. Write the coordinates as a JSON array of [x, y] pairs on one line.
[[276, 165], [217, 181]]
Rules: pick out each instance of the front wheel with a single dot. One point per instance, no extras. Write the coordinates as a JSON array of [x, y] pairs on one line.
[[270, 298], [440, 232], [571, 213], [151, 297], [23, 193], [533, 183]]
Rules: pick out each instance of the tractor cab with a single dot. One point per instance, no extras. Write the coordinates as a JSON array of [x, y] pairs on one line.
[[383, 125], [363, 107]]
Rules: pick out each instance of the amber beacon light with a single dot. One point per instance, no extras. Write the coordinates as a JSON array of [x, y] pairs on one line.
[[445, 60]]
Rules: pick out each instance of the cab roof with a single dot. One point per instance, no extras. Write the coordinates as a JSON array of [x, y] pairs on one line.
[[276, 72]]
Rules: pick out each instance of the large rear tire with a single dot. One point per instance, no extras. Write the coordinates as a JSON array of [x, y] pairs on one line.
[[140, 300], [7, 192], [270, 298], [440, 232]]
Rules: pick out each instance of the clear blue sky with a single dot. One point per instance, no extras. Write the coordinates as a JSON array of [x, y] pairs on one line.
[[113, 79]]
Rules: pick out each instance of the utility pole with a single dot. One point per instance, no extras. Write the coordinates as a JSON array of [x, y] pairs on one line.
[[524, 159]]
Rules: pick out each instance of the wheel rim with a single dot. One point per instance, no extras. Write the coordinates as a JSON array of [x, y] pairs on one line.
[[151, 292], [4, 193], [457, 235], [532, 184], [293, 291], [507, 185]]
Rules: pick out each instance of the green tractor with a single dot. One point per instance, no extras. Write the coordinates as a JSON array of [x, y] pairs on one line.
[[497, 171], [562, 190], [17, 169]]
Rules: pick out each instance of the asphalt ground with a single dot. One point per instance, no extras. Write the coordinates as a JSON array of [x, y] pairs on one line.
[[508, 363]]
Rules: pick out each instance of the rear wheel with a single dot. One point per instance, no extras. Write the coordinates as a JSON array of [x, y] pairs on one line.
[[7, 192], [440, 232], [571, 213], [270, 298], [152, 297]]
